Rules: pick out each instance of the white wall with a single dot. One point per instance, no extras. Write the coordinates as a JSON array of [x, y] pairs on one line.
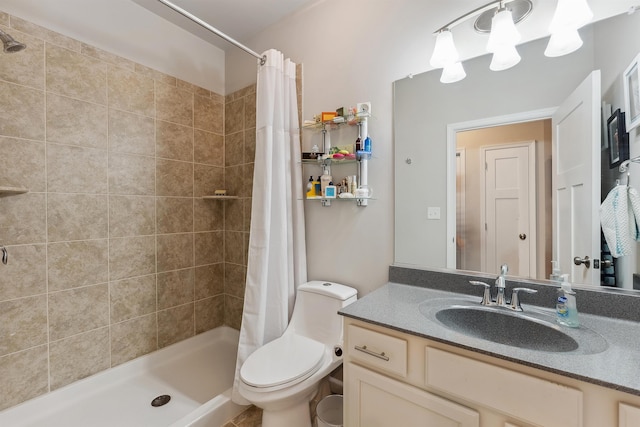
[[351, 52], [124, 28]]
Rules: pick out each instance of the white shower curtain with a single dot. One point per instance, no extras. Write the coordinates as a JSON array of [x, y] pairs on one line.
[[277, 260]]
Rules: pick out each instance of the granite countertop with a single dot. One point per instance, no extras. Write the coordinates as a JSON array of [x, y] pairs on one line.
[[397, 306]]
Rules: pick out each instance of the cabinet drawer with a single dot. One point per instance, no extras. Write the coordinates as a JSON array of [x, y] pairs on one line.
[[378, 350], [521, 396]]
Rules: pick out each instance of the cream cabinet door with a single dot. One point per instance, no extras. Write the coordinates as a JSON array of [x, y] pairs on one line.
[[628, 416], [374, 400]]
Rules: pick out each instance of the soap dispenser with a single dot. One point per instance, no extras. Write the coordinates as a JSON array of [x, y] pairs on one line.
[[556, 274], [566, 306]]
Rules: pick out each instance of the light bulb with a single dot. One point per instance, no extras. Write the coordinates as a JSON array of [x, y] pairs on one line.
[[444, 52], [503, 31], [453, 73], [504, 58], [563, 43]]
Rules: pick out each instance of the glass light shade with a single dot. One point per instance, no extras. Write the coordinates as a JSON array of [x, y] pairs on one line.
[[503, 31], [563, 43], [504, 58], [445, 52], [453, 73], [570, 15]]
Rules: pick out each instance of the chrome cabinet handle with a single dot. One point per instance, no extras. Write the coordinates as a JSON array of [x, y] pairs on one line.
[[364, 349], [5, 255], [586, 261]]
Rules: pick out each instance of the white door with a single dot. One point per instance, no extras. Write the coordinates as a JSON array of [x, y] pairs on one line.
[[508, 212], [576, 181]]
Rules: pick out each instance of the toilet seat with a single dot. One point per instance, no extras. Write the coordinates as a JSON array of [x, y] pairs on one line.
[[283, 362]]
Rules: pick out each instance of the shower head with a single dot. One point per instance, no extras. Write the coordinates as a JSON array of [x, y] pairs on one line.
[[10, 45]]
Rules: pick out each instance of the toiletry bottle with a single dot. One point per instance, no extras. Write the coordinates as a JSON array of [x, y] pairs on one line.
[[367, 144], [358, 145], [555, 272], [311, 188], [566, 307], [310, 184], [316, 186], [324, 181], [330, 191], [348, 185]]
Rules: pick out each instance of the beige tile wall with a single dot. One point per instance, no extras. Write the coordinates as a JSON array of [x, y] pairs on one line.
[[112, 254], [240, 147]]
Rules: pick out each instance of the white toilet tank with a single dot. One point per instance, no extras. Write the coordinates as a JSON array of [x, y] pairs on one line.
[[315, 314]]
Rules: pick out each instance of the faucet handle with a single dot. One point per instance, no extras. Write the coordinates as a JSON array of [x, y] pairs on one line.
[[486, 296], [515, 300]]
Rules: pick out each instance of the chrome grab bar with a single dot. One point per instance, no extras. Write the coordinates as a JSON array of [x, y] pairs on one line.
[[365, 350]]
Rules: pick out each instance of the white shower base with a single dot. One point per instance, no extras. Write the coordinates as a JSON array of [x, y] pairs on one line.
[[197, 373]]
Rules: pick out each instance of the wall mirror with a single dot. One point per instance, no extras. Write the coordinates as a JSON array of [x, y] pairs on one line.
[[429, 115]]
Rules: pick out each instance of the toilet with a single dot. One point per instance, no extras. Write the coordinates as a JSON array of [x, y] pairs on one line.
[[282, 376]]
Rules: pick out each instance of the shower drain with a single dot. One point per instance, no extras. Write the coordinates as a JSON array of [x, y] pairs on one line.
[[160, 400]]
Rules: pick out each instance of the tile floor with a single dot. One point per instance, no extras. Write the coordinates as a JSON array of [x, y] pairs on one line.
[[252, 417]]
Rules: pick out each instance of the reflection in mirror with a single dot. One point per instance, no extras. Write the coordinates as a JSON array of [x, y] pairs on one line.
[[511, 154], [425, 115]]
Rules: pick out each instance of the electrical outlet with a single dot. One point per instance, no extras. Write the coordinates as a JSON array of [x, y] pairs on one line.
[[433, 213]]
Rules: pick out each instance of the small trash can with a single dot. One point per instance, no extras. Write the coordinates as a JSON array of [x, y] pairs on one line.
[[329, 411]]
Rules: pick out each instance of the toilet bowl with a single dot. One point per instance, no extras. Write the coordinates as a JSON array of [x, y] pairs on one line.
[[282, 376]]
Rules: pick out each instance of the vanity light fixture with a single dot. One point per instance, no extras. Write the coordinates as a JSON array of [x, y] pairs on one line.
[[499, 18], [568, 17]]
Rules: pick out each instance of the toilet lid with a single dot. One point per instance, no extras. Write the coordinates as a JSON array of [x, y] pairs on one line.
[[285, 360]]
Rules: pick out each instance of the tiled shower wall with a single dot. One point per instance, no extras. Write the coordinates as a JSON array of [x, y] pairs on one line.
[[112, 253], [240, 148]]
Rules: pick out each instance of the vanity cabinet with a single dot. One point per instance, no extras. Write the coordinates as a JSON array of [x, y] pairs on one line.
[[394, 378], [381, 401]]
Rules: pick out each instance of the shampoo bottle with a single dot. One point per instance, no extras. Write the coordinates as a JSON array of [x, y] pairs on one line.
[[311, 188], [367, 144], [325, 179]]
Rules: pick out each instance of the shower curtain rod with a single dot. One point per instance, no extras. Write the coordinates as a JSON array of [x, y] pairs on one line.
[[214, 30]]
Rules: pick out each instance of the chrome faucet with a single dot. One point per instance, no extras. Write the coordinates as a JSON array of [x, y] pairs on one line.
[[500, 289], [500, 284]]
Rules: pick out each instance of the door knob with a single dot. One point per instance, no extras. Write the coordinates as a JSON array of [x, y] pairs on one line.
[[522, 236], [585, 261]]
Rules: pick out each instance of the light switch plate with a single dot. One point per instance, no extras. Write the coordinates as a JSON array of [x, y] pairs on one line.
[[433, 212]]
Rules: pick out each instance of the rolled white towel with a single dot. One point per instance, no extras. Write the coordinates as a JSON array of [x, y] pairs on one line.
[[615, 220], [634, 206]]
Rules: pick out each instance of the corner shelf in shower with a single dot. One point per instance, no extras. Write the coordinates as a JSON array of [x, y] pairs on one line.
[[220, 197], [6, 190]]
